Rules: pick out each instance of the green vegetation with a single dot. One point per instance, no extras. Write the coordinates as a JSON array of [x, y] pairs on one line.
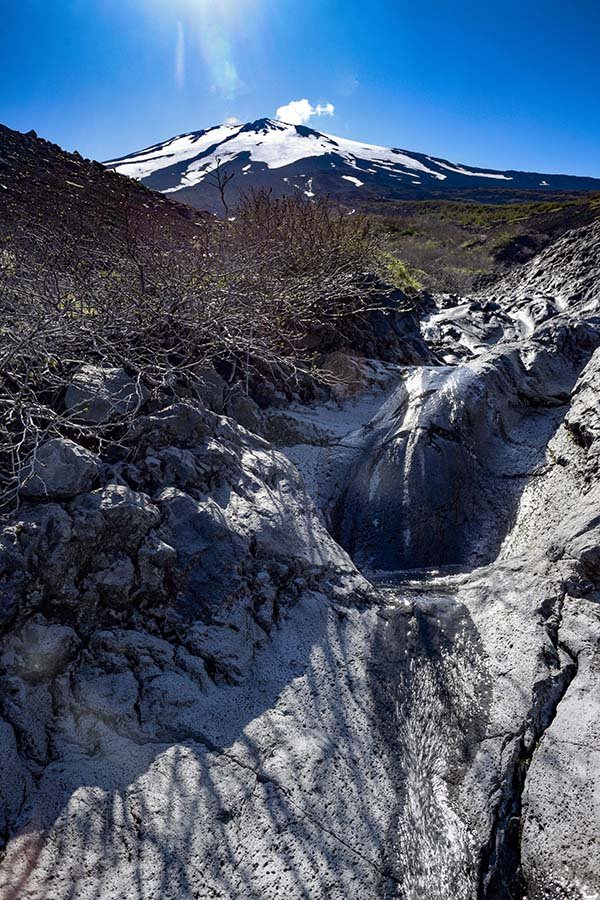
[[397, 273], [449, 244]]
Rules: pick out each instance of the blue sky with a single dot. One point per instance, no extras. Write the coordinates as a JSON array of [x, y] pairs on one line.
[[511, 84]]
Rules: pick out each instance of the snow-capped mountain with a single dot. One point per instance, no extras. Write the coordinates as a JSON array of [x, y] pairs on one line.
[[290, 158]]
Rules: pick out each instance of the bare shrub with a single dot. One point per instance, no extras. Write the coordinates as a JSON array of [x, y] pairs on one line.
[[248, 290]]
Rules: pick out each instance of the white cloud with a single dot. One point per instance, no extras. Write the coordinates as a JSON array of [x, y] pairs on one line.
[[297, 112], [232, 120], [180, 57]]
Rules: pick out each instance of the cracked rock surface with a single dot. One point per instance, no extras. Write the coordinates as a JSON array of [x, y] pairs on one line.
[[358, 660]]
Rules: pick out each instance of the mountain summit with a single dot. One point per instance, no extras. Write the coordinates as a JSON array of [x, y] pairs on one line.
[[288, 158]]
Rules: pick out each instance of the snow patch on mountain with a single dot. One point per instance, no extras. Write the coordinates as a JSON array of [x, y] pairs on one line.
[[379, 156], [276, 144], [278, 147], [355, 181], [179, 149], [281, 155], [460, 170]]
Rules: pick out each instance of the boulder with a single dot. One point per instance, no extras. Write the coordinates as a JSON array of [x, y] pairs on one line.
[[44, 650], [98, 395], [211, 389], [60, 468], [209, 549], [115, 514], [246, 412], [180, 425]]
